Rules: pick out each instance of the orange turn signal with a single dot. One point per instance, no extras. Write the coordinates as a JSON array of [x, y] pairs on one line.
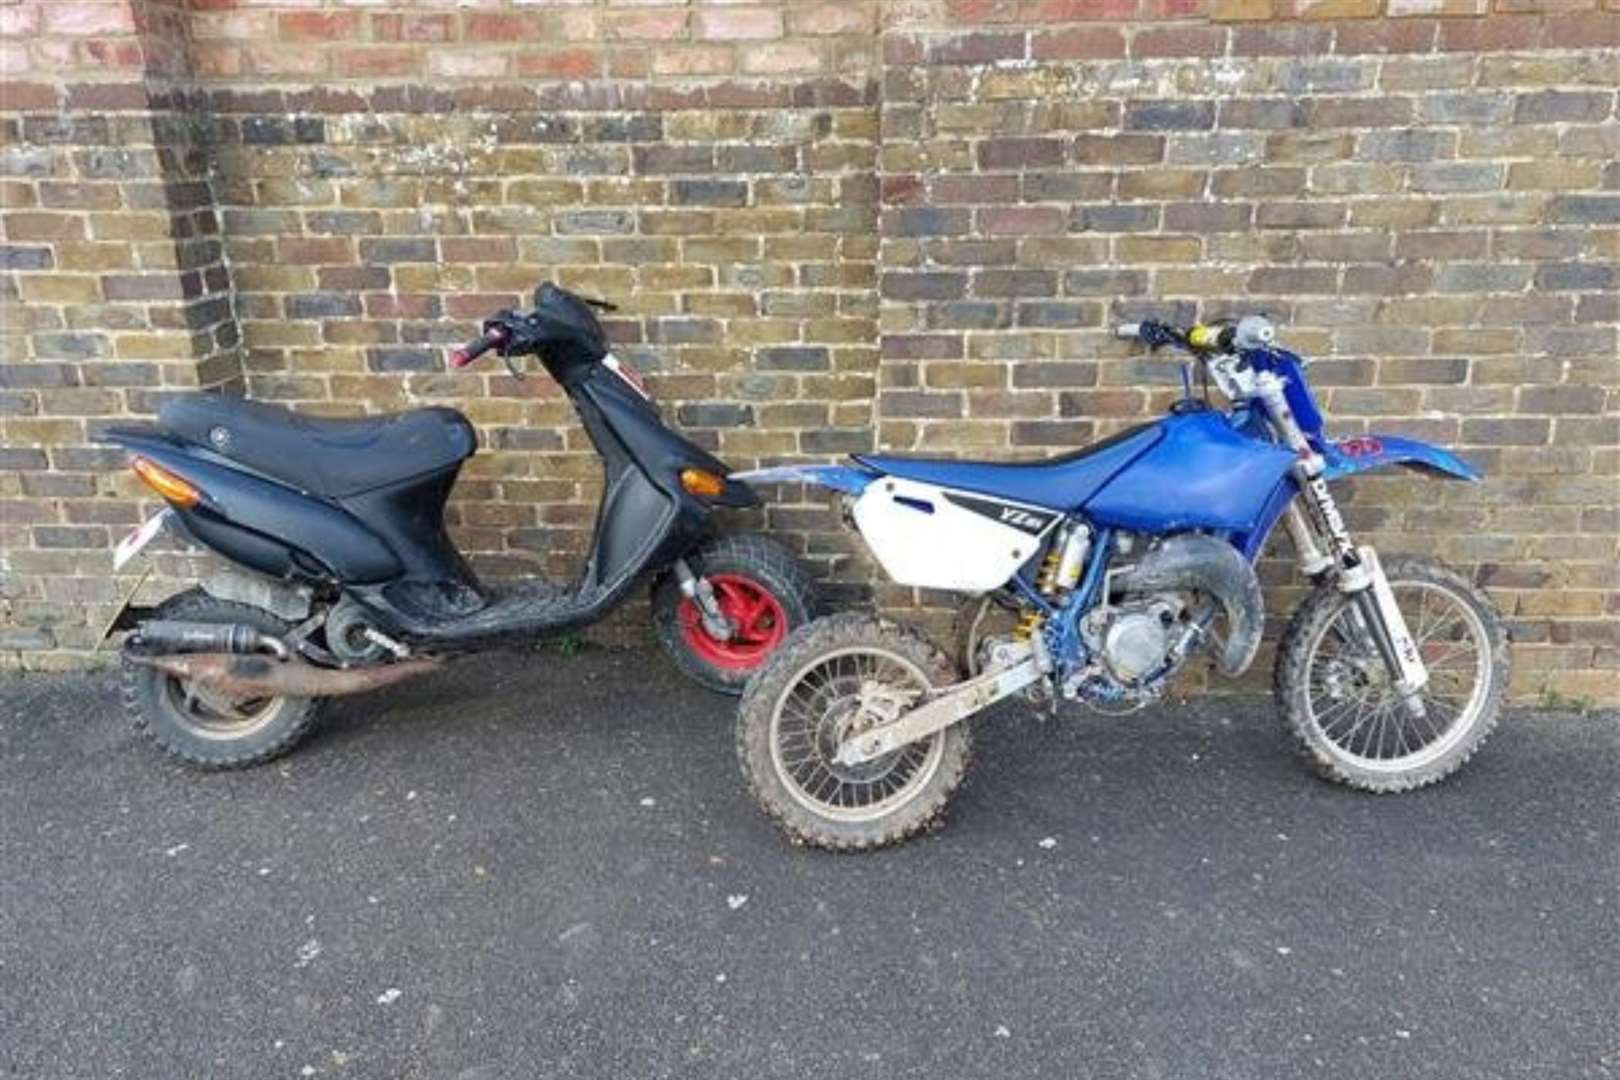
[[176, 490], [703, 483]]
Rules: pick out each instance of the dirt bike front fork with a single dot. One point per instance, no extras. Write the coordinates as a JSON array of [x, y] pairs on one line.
[[1375, 615]]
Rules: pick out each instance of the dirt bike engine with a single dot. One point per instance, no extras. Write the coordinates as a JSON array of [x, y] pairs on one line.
[[1133, 639]]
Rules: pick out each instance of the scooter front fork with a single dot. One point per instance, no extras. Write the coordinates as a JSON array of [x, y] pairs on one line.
[[701, 593]]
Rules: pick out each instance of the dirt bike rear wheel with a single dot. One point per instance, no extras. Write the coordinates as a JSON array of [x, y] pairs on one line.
[[808, 696]]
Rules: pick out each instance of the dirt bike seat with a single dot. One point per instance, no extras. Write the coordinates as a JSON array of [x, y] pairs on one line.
[[1060, 483], [321, 455]]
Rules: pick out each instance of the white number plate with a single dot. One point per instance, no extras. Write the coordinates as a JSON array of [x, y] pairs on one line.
[[131, 545]]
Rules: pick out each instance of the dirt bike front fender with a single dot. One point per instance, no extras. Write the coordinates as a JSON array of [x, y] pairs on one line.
[[1363, 453]]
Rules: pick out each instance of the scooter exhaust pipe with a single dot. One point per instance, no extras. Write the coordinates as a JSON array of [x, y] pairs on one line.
[[242, 675], [175, 636]]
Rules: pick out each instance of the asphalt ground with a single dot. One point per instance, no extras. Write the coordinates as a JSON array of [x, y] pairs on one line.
[[547, 866]]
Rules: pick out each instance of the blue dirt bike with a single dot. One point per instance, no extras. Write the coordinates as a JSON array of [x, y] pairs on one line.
[[1097, 575]]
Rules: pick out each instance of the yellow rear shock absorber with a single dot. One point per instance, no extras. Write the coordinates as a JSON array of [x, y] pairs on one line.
[[1045, 581]]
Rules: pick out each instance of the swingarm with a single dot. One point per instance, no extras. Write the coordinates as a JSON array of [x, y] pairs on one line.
[[897, 728]]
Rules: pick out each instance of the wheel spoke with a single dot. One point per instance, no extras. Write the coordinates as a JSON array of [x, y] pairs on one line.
[[829, 702]]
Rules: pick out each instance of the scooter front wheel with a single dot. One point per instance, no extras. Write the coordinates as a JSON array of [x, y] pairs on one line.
[[759, 586]]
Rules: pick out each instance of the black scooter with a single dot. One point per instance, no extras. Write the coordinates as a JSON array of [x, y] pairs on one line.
[[345, 579]]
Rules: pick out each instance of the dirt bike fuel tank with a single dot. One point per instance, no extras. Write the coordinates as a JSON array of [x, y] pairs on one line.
[[1202, 473]]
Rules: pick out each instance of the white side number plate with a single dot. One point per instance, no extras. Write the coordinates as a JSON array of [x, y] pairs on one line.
[[131, 545]]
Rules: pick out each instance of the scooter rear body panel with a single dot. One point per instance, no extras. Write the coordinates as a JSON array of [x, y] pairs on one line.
[[263, 524]]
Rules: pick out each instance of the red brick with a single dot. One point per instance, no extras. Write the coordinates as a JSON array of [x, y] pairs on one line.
[[1585, 30], [1493, 34], [1386, 36], [1179, 41], [317, 25], [28, 96], [413, 27], [840, 17], [1082, 43], [693, 60], [379, 60], [116, 54], [1077, 10], [581, 63], [983, 11], [288, 60], [503, 26]]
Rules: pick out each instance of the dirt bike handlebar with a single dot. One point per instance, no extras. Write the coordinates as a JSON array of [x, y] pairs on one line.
[[1249, 332]]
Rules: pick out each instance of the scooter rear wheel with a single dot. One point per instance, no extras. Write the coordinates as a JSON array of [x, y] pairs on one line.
[[759, 585], [204, 728]]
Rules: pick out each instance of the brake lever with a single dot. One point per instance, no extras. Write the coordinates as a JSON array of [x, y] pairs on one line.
[[600, 304], [512, 365]]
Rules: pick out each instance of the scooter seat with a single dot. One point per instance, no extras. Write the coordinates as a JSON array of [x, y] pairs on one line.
[[335, 458]]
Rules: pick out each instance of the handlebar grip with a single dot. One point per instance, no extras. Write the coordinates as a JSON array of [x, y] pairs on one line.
[[1128, 331], [474, 349]]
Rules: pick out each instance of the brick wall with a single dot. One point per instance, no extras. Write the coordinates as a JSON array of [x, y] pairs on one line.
[[833, 226]]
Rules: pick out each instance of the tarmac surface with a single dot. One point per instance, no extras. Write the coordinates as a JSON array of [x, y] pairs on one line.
[[547, 866]]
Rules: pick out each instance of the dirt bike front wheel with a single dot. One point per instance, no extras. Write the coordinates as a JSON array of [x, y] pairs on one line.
[[817, 690], [1339, 699]]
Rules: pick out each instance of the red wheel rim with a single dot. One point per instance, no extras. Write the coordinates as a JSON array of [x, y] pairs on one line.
[[758, 616]]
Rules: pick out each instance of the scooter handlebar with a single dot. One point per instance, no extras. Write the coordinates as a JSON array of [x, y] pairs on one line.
[[471, 351]]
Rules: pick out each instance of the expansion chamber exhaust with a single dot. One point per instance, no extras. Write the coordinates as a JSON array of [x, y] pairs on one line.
[[1212, 567]]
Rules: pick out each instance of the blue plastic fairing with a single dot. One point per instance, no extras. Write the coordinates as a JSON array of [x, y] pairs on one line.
[[1346, 457], [1202, 475]]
